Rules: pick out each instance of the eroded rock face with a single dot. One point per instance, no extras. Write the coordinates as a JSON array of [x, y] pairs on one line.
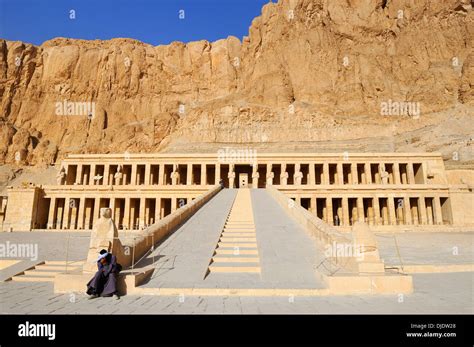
[[322, 65]]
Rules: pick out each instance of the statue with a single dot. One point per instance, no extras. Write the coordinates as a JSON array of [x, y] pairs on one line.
[[61, 176], [284, 178], [255, 177], [104, 235], [231, 177], [175, 176], [118, 175], [384, 176], [270, 177], [298, 177]]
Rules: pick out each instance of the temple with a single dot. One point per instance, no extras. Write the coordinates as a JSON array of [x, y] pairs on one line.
[[385, 190]]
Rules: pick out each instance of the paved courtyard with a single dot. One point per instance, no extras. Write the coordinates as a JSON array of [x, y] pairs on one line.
[[434, 293]]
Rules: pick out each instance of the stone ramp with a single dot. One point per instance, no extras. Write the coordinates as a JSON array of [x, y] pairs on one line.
[[47, 271], [287, 256], [183, 258], [237, 250]]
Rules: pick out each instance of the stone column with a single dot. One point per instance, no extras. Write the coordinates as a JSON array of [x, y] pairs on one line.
[[141, 214], [422, 210], [106, 174], [438, 212], [368, 175], [203, 174], [157, 209], [429, 213], [391, 211], [354, 177], [218, 173], [173, 204], [407, 210], [314, 206], [82, 205], [78, 174], [133, 179], [112, 208], [96, 213], [340, 174], [360, 210], [376, 205], [283, 181], [312, 174], [161, 175], [52, 212], [345, 211], [326, 173], [410, 173], [147, 174], [67, 213], [189, 175], [92, 174], [329, 214], [126, 214], [396, 173]]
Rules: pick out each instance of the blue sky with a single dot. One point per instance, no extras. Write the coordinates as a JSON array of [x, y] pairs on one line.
[[151, 21]]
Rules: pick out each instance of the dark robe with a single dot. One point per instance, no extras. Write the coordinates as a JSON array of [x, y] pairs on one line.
[[104, 282]]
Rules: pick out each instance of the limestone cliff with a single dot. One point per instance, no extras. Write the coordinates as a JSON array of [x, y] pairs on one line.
[[313, 71]]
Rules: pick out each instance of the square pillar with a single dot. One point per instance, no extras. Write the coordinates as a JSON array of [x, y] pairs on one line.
[[81, 216], [314, 208], [203, 175], [157, 209], [345, 211], [189, 174], [376, 205], [368, 174], [312, 174], [67, 213], [173, 204], [218, 173], [410, 173], [396, 173], [438, 212], [161, 175], [326, 173], [340, 175], [106, 175], [147, 174], [52, 212], [354, 176], [141, 214], [407, 210], [422, 210], [79, 174], [92, 174], [126, 214], [329, 214], [391, 211], [133, 179], [360, 209]]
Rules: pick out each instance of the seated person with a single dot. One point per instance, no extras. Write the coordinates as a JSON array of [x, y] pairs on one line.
[[104, 282]]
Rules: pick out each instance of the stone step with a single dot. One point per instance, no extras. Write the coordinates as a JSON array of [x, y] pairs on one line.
[[237, 244], [237, 239], [237, 259], [23, 278], [234, 269], [41, 273], [232, 251]]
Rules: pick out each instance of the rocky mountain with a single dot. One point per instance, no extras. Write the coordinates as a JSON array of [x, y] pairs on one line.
[[311, 74]]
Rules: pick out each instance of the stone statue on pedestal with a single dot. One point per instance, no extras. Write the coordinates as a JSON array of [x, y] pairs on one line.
[[61, 176], [104, 235], [298, 177], [284, 178], [118, 175], [270, 177]]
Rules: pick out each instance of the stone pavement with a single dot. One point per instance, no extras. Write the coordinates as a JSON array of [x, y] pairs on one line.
[[427, 248], [434, 293]]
